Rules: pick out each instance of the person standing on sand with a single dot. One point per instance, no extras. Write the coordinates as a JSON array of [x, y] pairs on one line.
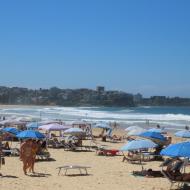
[[35, 148], [27, 154]]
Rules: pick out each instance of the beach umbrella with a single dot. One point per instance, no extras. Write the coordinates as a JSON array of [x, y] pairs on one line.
[[27, 119], [177, 150], [82, 122], [30, 134], [156, 130], [183, 134], [131, 128], [138, 145], [158, 138], [46, 122], [33, 125], [153, 135], [136, 132], [11, 122], [102, 126], [11, 130], [54, 127], [74, 131]]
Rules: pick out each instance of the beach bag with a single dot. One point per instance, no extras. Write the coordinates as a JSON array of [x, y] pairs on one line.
[[3, 161]]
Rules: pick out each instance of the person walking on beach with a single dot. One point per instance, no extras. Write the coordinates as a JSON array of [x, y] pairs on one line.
[[27, 155]]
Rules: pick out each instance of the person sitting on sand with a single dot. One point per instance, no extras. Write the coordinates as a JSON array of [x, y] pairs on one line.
[[27, 154]]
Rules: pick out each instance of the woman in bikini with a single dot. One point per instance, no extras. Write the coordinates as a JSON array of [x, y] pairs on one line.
[[26, 154]]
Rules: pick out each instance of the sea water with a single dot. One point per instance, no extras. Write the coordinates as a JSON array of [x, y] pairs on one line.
[[173, 118]]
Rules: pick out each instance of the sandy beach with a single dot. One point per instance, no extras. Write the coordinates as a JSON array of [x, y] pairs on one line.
[[106, 172]]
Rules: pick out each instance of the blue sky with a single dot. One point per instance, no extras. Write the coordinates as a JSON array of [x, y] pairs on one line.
[[130, 45]]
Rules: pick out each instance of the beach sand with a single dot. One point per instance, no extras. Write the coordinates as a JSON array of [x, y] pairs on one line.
[[106, 172]]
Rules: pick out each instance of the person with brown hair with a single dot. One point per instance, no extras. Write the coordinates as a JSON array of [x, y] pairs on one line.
[[27, 154]]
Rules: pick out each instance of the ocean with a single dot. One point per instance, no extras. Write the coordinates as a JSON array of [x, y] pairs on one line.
[[172, 118]]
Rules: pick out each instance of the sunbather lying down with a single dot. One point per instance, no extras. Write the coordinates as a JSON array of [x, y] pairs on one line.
[[107, 152], [148, 173]]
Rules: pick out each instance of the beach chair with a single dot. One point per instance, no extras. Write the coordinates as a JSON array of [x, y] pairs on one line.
[[172, 181], [43, 155], [177, 166], [69, 146], [136, 158], [11, 152], [53, 143]]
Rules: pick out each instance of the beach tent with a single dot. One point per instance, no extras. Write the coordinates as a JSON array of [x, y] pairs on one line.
[[177, 150], [30, 134], [138, 145], [183, 134]]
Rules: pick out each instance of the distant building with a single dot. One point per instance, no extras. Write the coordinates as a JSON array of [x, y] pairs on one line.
[[100, 89], [137, 97]]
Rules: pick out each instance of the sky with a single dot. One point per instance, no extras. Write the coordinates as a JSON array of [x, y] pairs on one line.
[[129, 45]]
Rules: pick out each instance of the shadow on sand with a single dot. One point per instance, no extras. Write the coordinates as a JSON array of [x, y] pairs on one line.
[[9, 176], [77, 175], [39, 175], [46, 160]]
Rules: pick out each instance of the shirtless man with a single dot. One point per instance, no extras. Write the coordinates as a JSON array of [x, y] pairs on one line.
[[26, 154]]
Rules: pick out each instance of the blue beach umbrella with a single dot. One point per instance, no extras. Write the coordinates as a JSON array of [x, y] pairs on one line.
[[156, 130], [138, 145], [33, 125], [183, 134], [177, 150], [153, 135], [30, 134], [11, 130]]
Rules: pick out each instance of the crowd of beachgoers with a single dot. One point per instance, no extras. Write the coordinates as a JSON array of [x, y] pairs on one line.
[[26, 145]]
